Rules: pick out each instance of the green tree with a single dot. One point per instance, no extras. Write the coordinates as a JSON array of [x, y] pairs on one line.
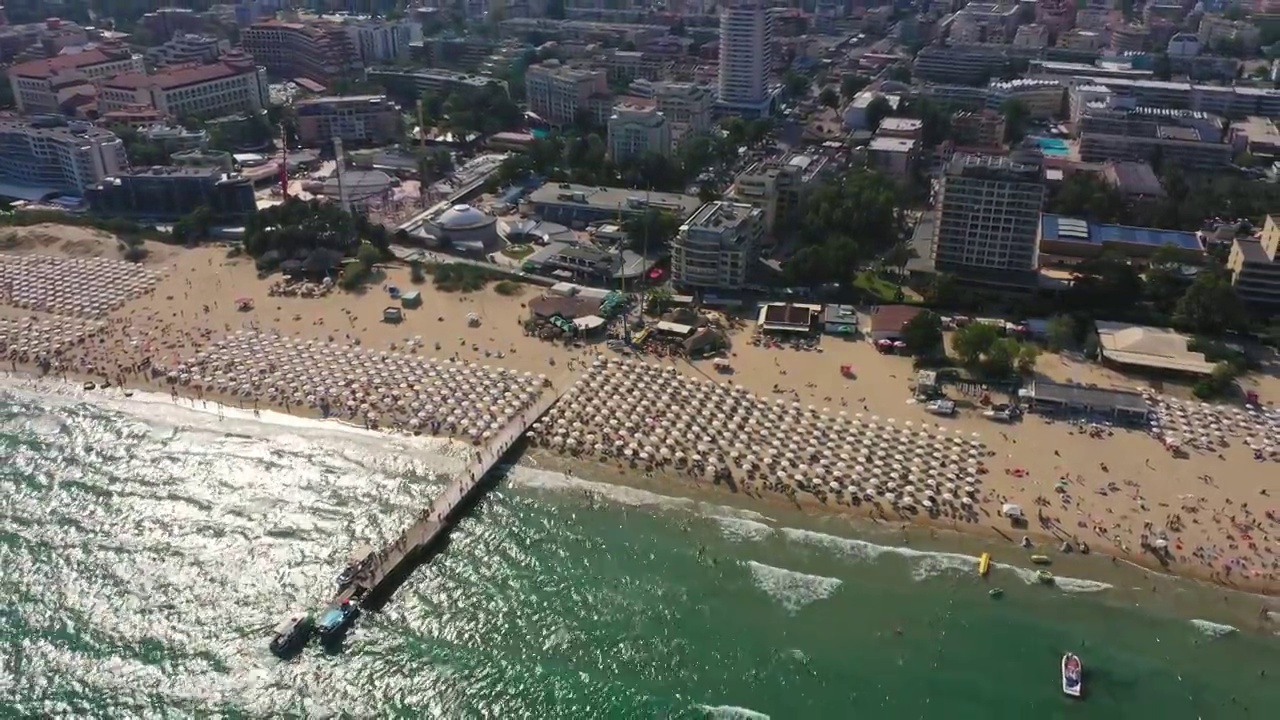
[[1028, 354], [1089, 196], [796, 86], [943, 291], [860, 205], [934, 119], [433, 165], [877, 110], [900, 73], [368, 256], [851, 85], [651, 230], [1211, 306], [707, 192], [923, 334], [973, 341], [1062, 333], [1161, 69], [829, 97], [1016, 117], [1108, 284]]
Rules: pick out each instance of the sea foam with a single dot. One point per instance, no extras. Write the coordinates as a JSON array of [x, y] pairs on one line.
[[1213, 629], [731, 712], [794, 590]]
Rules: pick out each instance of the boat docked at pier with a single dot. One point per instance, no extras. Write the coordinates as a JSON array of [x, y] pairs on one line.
[[291, 636], [1072, 675], [332, 625]]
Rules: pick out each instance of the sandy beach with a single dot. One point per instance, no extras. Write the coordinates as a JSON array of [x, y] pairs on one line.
[[1118, 490]]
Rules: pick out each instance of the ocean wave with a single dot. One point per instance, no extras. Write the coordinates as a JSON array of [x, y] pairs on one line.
[[1213, 629], [731, 712], [928, 563], [1062, 582], [742, 529], [925, 563], [523, 476], [794, 590]]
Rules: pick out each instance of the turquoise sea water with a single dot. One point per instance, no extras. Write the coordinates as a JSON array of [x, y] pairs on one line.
[[147, 551]]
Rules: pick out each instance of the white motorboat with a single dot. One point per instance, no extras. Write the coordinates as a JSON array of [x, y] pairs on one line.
[[1072, 675]]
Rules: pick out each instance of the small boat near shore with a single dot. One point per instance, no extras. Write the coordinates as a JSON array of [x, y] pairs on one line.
[[1072, 675], [1041, 559], [984, 564], [1045, 577]]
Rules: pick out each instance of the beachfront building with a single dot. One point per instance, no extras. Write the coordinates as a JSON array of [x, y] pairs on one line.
[[232, 85], [716, 247], [885, 322], [50, 85], [169, 193], [1255, 266], [746, 57], [778, 185], [1149, 348], [463, 227], [1069, 240], [1124, 406], [637, 130], [52, 155], [355, 119], [988, 221], [579, 205]]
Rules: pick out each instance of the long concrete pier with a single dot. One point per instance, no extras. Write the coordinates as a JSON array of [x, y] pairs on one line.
[[382, 571]]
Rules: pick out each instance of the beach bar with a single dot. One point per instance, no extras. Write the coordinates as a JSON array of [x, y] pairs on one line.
[[1121, 405], [788, 317]]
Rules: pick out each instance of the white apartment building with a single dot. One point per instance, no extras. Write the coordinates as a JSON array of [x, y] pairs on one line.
[[716, 246], [983, 23], [556, 93], [1042, 97], [1215, 29], [52, 154], [1255, 266], [378, 42], [687, 106], [41, 86], [636, 130], [746, 55], [232, 85], [184, 48], [1031, 36], [989, 217]]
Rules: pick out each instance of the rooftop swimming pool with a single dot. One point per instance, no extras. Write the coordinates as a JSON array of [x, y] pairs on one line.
[[1053, 147]]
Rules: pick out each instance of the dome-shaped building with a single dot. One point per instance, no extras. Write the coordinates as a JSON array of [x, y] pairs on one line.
[[464, 227]]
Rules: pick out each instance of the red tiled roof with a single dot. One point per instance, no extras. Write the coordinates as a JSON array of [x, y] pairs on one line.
[[891, 318], [175, 77], [52, 66]]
